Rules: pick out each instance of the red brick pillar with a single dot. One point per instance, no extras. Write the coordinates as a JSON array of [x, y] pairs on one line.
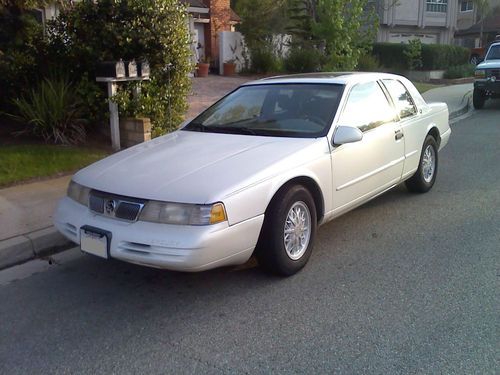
[[220, 17]]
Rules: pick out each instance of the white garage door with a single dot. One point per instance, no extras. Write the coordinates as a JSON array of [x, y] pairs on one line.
[[404, 38]]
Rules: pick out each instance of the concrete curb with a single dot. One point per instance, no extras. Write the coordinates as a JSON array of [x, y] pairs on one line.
[[464, 106], [37, 244]]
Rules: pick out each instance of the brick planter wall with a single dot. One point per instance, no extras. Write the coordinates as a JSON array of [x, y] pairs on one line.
[[134, 131]]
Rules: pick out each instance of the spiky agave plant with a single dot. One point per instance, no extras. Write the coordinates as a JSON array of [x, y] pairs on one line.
[[53, 110]]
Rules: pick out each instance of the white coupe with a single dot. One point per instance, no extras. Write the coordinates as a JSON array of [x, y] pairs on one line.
[[257, 173]]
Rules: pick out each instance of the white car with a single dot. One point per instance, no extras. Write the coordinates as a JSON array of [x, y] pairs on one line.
[[257, 173]]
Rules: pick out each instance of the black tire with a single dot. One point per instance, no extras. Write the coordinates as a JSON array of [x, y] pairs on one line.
[[474, 59], [419, 182], [271, 252], [478, 99]]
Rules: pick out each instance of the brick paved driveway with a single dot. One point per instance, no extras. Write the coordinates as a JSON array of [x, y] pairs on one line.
[[206, 91]]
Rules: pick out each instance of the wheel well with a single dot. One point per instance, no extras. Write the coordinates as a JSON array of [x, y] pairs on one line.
[[313, 188], [435, 133]]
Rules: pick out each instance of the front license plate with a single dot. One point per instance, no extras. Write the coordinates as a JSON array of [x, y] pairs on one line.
[[94, 243]]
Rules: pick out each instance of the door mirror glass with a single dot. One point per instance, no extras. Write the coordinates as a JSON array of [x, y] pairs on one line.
[[347, 134]]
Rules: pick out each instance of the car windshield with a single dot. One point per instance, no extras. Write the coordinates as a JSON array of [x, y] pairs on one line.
[[494, 53], [281, 110]]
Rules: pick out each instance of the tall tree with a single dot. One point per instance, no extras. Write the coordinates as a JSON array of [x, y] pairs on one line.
[[341, 29], [260, 20]]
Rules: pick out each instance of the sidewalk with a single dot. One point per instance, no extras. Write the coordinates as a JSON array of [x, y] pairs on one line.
[[26, 230], [458, 98]]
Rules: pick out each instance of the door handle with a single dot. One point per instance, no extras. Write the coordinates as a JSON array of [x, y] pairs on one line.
[[398, 135]]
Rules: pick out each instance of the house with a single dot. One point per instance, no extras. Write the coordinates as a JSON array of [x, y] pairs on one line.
[[470, 23], [431, 21], [208, 18], [434, 21]]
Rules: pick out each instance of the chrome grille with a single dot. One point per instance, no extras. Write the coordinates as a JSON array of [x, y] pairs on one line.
[[128, 211], [115, 206]]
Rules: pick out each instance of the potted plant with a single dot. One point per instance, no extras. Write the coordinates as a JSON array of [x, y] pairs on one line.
[[203, 67], [229, 67]]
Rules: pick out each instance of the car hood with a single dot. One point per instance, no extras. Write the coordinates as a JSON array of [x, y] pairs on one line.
[[489, 64], [194, 167]]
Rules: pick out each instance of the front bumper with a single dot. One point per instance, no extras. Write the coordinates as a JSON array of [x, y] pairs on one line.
[[174, 247], [488, 86]]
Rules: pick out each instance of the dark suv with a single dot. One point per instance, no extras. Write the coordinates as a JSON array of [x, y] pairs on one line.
[[487, 77]]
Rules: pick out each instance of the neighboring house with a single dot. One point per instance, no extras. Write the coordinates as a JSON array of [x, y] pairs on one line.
[[469, 24], [431, 21], [468, 14], [435, 21]]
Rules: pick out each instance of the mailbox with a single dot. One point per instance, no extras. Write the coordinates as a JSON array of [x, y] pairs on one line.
[[111, 69], [143, 69], [113, 72], [131, 68]]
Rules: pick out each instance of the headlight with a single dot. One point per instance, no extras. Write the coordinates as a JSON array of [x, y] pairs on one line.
[[79, 193], [480, 73], [183, 214]]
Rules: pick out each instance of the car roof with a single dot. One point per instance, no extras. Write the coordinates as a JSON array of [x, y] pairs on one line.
[[340, 78]]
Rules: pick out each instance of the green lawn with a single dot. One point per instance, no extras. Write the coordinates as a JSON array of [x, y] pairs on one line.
[[423, 87], [25, 162]]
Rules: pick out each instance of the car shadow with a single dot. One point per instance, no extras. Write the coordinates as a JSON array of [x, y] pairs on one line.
[[491, 104]]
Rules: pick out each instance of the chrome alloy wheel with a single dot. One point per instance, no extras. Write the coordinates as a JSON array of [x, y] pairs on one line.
[[297, 230], [429, 163]]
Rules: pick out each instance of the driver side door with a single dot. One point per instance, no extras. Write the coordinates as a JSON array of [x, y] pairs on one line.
[[365, 168]]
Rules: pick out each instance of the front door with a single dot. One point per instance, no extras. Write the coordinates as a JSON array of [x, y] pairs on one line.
[[366, 168]]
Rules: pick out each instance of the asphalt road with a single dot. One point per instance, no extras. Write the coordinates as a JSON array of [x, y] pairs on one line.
[[407, 284]]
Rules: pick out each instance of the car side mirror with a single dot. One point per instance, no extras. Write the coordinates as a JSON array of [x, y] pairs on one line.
[[347, 134]]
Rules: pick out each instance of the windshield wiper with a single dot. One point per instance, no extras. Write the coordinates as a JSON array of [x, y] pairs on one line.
[[233, 130], [197, 127]]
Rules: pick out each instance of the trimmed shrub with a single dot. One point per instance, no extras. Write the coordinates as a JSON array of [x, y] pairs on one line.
[[390, 55], [434, 56], [303, 60], [440, 57], [460, 71], [264, 61], [369, 63]]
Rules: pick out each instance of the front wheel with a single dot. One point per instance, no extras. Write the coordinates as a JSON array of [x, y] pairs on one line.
[[478, 99], [425, 176], [287, 237]]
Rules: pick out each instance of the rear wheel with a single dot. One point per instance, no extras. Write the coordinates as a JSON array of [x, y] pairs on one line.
[[287, 237], [478, 98], [425, 176]]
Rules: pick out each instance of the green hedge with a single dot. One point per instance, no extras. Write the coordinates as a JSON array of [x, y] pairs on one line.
[[434, 56]]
